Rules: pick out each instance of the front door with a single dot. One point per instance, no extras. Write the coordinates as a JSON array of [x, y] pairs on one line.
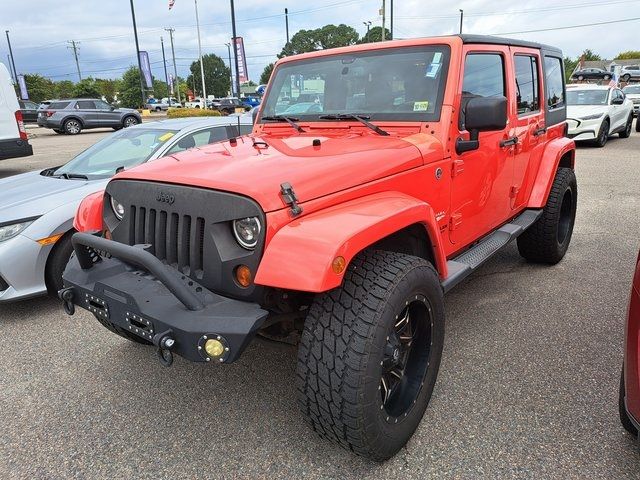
[[106, 115], [482, 178], [529, 121]]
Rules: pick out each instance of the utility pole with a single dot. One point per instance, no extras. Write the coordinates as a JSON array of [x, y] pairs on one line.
[[13, 63], [383, 11], [135, 34], [461, 18], [230, 70], [391, 32], [286, 22], [10, 68], [204, 88], [75, 49], [235, 47], [175, 68], [166, 75]]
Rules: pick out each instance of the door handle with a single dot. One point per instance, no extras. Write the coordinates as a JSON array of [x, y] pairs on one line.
[[508, 142], [539, 131]]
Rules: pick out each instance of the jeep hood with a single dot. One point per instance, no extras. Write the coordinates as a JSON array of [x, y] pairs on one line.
[[257, 170]]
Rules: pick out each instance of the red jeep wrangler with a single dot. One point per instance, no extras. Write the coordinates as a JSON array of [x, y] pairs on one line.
[[377, 178]]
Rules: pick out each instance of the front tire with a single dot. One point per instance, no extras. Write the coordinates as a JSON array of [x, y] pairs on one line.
[[130, 121], [603, 134], [370, 352], [547, 240], [626, 78], [57, 262], [626, 133], [622, 410], [72, 126]]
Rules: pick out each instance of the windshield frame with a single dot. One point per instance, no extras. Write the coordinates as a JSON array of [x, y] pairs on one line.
[[406, 116], [106, 141]]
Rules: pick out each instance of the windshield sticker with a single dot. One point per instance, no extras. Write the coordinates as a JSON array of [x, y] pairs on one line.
[[166, 136], [437, 57], [432, 70], [420, 106]]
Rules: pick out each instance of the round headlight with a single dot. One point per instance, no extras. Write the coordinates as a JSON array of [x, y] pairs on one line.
[[247, 232], [118, 208]]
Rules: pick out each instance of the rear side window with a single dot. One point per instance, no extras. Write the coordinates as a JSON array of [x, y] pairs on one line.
[[527, 92], [554, 81], [85, 105], [58, 105]]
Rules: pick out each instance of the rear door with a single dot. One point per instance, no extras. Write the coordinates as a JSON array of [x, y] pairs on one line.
[[528, 118], [482, 178], [85, 109]]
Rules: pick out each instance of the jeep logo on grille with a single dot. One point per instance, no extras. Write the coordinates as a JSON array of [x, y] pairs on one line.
[[165, 197]]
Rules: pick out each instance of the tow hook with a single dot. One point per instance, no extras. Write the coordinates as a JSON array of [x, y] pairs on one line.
[[66, 295], [164, 342]]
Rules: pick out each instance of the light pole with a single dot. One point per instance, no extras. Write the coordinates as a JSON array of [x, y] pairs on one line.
[[13, 63], [383, 12], [391, 20], [368, 24], [204, 89], [135, 34], [286, 22], [166, 75], [461, 18], [230, 69], [235, 47], [175, 68]]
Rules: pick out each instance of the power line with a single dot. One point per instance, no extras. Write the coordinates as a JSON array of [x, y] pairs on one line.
[[571, 26]]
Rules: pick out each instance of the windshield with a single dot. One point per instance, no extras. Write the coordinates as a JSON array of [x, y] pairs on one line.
[[126, 148], [587, 97], [404, 84], [631, 89]]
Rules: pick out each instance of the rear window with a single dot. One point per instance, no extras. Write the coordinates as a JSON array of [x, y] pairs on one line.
[[58, 105]]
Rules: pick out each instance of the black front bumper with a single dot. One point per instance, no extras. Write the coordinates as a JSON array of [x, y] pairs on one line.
[[131, 289]]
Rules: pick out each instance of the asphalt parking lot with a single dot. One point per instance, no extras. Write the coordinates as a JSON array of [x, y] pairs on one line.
[[527, 388]]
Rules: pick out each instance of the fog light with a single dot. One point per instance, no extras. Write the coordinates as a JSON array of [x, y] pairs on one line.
[[214, 348], [243, 276]]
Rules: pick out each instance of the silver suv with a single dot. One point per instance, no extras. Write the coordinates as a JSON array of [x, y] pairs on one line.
[[630, 72], [72, 116]]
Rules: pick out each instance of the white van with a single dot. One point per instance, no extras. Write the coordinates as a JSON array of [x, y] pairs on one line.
[[13, 136]]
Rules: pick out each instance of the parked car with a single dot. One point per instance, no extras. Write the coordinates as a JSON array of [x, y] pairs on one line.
[[29, 111], [629, 395], [230, 105], [44, 104], [594, 113], [156, 105], [13, 136], [591, 74], [172, 102], [37, 208], [251, 101], [632, 92], [629, 73], [340, 228], [72, 116], [195, 103], [302, 107]]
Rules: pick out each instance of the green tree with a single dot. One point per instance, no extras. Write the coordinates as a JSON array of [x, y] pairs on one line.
[[160, 89], [628, 55], [266, 74], [216, 75], [375, 35], [64, 89], [107, 88], [329, 36], [39, 87], [129, 93], [86, 88], [589, 55], [569, 66]]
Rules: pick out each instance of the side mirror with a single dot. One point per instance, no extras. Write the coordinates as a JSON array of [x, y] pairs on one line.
[[254, 114], [112, 108], [482, 114], [617, 101]]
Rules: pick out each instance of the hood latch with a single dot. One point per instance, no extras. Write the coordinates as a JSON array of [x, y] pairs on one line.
[[289, 197]]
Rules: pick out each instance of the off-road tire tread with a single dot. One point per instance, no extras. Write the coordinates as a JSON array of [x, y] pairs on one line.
[[539, 242], [335, 344]]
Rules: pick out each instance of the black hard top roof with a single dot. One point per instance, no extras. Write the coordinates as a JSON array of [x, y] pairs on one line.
[[512, 42]]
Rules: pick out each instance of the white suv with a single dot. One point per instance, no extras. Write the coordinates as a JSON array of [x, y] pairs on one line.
[[630, 72], [13, 136], [595, 112]]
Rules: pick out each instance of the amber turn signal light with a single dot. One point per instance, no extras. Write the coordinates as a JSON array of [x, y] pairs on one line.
[[50, 240], [243, 276], [338, 265]]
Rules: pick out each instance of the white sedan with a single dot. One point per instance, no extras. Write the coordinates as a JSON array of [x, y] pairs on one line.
[[595, 112]]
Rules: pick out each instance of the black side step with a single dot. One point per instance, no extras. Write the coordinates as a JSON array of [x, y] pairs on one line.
[[466, 263]]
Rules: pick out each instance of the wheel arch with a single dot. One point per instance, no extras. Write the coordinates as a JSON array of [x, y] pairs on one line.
[[559, 153], [385, 220], [47, 267], [71, 117]]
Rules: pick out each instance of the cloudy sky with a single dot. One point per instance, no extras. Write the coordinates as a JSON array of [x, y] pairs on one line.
[[40, 29]]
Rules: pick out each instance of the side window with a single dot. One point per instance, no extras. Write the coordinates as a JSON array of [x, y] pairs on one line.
[[198, 139], [483, 77], [85, 105], [527, 91], [100, 105], [554, 81]]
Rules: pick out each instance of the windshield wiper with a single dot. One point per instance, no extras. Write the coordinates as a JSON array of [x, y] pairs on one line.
[[71, 176], [284, 118], [354, 116]]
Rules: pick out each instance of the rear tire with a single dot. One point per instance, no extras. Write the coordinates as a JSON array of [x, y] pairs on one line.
[[626, 133], [603, 134], [72, 126], [370, 352], [622, 410], [547, 240]]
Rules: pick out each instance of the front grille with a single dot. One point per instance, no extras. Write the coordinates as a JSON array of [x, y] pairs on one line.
[[176, 239]]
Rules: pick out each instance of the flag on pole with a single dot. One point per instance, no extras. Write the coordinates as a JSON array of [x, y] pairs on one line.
[[171, 2]]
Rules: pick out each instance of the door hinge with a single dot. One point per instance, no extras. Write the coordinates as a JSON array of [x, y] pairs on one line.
[[289, 198], [457, 167], [455, 221]]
